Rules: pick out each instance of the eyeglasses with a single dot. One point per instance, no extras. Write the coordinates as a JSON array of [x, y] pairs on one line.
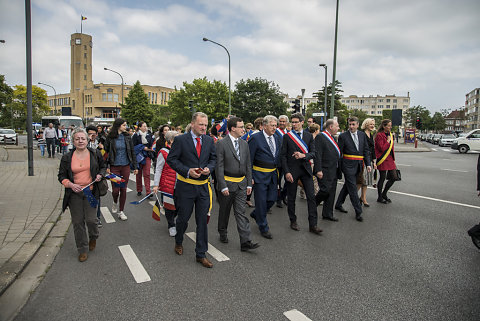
[[295, 122]]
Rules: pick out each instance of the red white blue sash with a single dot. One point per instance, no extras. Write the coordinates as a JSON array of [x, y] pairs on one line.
[[299, 142], [330, 138], [281, 131]]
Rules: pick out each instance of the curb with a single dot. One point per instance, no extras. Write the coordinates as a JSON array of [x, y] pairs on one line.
[[11, 270]]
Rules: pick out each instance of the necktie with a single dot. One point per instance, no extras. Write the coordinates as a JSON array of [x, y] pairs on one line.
[[299, 134], [270, 144], [199, 146], [355, 140], [237, 150]]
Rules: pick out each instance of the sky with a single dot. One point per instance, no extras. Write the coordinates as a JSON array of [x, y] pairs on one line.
[[429, 48]]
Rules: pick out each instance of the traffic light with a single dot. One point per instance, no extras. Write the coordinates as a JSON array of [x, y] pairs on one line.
[[296, 107], [190, 106], [418, 124]]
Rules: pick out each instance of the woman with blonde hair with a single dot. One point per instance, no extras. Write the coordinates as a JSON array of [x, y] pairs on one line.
[[365, 178]]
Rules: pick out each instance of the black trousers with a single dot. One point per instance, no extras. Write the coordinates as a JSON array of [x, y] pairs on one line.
[[307, 181], [350, 188], [50, 146], [382, 193]]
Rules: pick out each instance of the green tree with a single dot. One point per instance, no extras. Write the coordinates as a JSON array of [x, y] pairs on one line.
[[418, 111], [257, 97], [6, 98], [208, 97], [438, 122], [161, 115], [137, 107], [339, 109]]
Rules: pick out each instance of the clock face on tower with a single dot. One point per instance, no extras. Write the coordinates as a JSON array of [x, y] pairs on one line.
[[78, 41]]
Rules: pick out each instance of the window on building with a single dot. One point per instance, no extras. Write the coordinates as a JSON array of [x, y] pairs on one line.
[[115, 98], [394, 100], [372, 112], [85, 66], [84, 55], [156, 94], [405, 100], [388, 100], [394, 106], [387, 106], [380, 100], [84, 77], [405, 106], [379, 112]]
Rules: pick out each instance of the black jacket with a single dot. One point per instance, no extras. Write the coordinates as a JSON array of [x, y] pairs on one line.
[[111, 150], [97, 166], [326, 158], [289, 163], [137, 140]]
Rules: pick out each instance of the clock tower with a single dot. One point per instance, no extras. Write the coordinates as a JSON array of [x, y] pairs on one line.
[[80, 68]]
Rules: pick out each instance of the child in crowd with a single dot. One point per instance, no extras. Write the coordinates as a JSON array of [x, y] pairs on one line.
[[64, 142]]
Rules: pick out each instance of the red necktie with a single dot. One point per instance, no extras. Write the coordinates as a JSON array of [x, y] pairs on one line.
[[199, 146]]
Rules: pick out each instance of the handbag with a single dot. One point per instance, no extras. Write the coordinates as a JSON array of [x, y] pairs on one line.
[[394, 175], [102, 187]]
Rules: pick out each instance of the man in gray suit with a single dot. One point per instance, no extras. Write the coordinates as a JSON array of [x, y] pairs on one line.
[[234, 182]]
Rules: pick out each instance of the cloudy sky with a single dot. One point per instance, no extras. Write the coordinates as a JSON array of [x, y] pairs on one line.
[[429, 48]]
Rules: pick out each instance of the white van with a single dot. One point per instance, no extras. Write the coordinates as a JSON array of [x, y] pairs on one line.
[[471, 141]]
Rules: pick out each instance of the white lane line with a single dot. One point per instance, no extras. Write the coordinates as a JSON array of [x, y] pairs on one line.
[[217, 255], [404, 165], [107, 215], [136, 268], [446, 150], [295, 315], [454, 170], [434, 149]]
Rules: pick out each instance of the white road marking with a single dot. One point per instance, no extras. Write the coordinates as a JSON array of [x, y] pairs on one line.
[[295, 315], [403, 165], [152, 171], [446, 150], [110, 189], [454, 170], [434, 149], [136, 268], [217, 255], [107, 215]]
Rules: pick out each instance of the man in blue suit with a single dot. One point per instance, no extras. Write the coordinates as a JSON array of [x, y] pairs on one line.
[[265, 156], [193, 157]]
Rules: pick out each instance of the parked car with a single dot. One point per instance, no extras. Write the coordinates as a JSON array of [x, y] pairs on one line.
[[8, 136], [446, 140], [436, 138], [469, 142], [429, 138]]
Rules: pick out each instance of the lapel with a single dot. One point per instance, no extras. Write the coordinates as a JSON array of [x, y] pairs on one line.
[[232, 148]]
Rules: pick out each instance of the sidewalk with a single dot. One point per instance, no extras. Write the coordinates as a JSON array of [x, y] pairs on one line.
[[400, 147], [30, 207]]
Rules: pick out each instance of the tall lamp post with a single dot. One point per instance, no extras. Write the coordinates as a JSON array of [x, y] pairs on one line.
[[105, 68], [332, 106], [55, 101], [229, 75], [325, 92]]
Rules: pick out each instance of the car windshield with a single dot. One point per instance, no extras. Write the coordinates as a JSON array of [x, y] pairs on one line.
[[7, 131], [448, 137]]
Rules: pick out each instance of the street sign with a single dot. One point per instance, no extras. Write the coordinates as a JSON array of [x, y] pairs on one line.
[[318, 114]]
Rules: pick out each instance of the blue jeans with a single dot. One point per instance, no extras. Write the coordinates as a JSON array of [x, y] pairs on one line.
[[42, 150]]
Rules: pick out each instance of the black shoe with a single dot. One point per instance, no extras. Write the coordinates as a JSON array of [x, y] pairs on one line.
[[341, 209], [333, 219], [386, 199], [279, 204], [223, 239], [252, 216], [248, 246], [381, 200], [315, 230], [294, 226], [359, 218], [364, 204], [139, 193], [285, 201], [269, 211], [267, 235]]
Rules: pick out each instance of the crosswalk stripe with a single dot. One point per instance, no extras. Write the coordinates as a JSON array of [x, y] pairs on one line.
[[216, 254], [434, 149], [136, 268], [446, 149], [107, 215], [110, 189], [295, 315]]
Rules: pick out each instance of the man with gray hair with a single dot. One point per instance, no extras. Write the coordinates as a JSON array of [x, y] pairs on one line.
[[265, 157], [281, 130]]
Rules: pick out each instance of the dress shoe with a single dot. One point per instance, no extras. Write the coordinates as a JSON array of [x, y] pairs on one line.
[[341, 209], [294, 226], [250, 204], [315, 230], [359, 218], [92, 244], [179, 249], [83, 257], [279, 204], [205, 262], [267, 235], [284, 200], [269, 211], [223, 239], [386, 199], [248, 246], [139, 193], [333, 219], [381, 200], [364, 204], [252, 215]]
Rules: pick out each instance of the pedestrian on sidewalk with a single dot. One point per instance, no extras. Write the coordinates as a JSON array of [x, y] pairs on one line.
[[384, 151], [165, 180], [121, 156], [77, 169], [41, 143], [50, 136], [143, 143]]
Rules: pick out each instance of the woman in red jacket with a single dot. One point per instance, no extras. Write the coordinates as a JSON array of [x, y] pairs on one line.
[[385, 154]]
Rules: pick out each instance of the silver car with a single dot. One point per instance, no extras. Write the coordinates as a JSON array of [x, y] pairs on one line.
[[8, 136], [446, 140]]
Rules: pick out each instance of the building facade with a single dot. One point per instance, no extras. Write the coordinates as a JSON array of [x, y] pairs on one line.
[[456, 121], [472, 103], [375, 105], [89, 100]]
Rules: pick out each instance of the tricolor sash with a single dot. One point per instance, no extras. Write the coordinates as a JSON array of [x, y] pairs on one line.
[[281, 131], [330, 138], [299, 142]]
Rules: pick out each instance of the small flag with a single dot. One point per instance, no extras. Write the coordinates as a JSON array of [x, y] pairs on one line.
[[156, 211], [222, 127], [84, 18], [140, 201], [91, 199], [117, 180], [168, 201], [247, 135]]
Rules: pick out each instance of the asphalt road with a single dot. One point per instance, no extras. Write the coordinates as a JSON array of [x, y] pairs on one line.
[[411, 259]]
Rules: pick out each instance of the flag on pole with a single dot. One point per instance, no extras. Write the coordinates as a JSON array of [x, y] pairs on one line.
[[168, 201], [84, 18], [156, 210], [140, 201], [91, 199], [117, 180]]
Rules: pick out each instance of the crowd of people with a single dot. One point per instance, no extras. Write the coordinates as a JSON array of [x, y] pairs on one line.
[[268, 159]]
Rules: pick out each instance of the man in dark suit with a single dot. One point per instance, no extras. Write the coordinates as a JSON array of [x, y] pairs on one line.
[[280, 132], [192, 156], [265, 157], [327, 168], [354, 148], [298, 152], [234, 182]]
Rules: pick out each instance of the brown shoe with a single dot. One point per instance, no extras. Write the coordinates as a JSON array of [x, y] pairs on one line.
[[315, 230], [205, 262], [179, 249], [250, 204], [294, 226], [82, 257], [92, 244]]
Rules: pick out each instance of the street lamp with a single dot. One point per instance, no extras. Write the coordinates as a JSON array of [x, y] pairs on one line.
[[325, 94], [2, 41], [229, 79], [55, 101], [105, 68], [332, 106]]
